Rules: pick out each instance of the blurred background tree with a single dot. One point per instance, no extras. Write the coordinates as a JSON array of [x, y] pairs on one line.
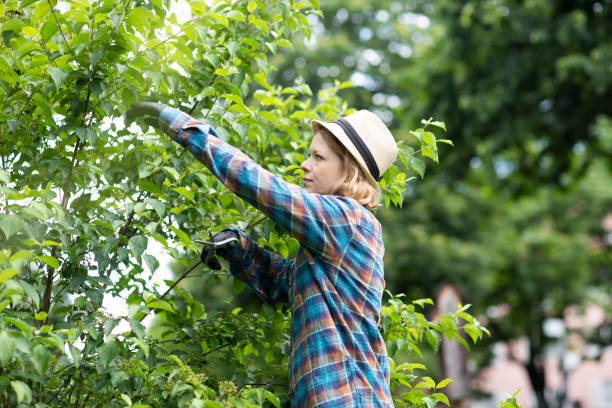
[[514, 216]]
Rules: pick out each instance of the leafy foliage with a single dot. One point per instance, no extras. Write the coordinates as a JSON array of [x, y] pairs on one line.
[[88, 207]]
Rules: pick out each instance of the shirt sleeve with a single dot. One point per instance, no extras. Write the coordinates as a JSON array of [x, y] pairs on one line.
[[263, 271], [324, 224]]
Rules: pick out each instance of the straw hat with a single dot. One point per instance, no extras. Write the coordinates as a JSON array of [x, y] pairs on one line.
[[367, 139]]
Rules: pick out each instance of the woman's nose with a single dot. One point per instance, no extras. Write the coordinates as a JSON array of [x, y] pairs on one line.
[[305, 165]]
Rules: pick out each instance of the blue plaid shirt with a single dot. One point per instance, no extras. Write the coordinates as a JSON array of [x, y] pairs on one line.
[[334, 286]]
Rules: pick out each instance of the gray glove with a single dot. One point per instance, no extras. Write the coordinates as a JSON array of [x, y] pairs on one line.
[[221, 243], [151, 114]]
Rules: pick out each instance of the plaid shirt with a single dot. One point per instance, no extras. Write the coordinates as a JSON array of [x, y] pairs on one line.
[[334, 286]]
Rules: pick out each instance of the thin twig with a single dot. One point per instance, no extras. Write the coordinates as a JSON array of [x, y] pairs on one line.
[[176, 34], [180, 278], [174, 284], [216, 348], [59, 26], [67, 184], [254, 223]]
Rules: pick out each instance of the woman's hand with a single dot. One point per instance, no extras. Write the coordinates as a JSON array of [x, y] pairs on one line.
[[151, 114], [222, 242]]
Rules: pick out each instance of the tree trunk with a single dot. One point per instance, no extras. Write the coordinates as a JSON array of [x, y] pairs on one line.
[[535, 368]]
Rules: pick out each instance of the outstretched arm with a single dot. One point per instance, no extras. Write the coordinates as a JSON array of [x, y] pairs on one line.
[[324, 224]]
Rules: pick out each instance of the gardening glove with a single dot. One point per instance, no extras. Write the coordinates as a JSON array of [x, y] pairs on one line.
[[222, 242], [157, 115]]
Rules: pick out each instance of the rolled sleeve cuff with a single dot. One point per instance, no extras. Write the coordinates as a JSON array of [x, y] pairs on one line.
[[174, 120]]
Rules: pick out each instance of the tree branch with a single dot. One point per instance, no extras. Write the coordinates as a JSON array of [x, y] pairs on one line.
[[46, 299], [74, 153]]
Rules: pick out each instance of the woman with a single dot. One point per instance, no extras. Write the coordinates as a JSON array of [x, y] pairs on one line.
[[335, 284]]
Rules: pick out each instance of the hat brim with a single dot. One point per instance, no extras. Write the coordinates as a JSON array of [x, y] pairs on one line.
[[337, 131]]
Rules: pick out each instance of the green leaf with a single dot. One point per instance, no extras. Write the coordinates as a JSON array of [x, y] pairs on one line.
[[430, 382], [185, 239], [49, 260], [13, 24], [444, 383], [81, 133], [14, 124], [172, 172], [23, 326], [441, 397], [158, 206], [142, 344], [433, 338], [161, 304], [4, 304], [238, 286], [429, 138], [137, 244], [184, 192], [42, 315], [418, 165], [237, 15], [152, 262], [220, 18], [29, 31], [273, 399], [81, 301], [176, 360], [10, 224], [424, 385], [8, 274], [58, 75], [108, 352], [118, 377], [41, 358], [24, 394], [76, 355], [300, 5], [30, 291], [126, 398], [5, 177], [251, 6], [439, 124], [429, 402], [137, 328], [8, 346], [47, 30]]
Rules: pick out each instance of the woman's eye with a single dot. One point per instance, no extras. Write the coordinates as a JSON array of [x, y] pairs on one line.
[[318, 157]]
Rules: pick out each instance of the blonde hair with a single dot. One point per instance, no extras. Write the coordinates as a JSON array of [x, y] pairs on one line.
[[355, 184]]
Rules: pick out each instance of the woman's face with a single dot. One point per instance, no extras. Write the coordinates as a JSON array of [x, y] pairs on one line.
[[323, 169]]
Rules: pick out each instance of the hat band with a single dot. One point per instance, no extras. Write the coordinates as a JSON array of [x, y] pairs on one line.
[[361, 147]]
